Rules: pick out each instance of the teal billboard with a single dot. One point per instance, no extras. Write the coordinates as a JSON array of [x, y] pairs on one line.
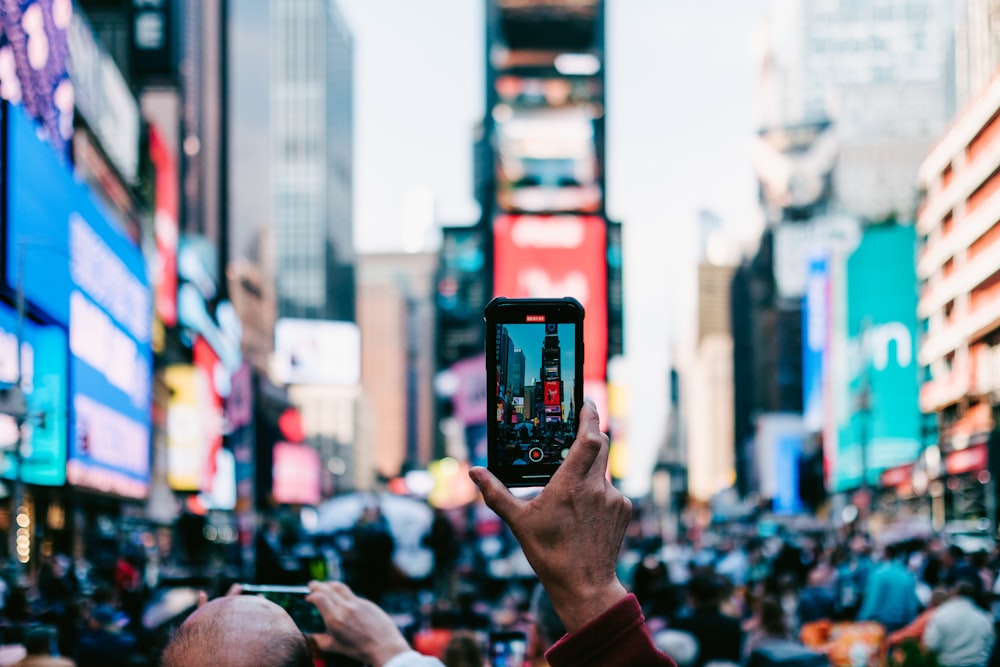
[[42, 438], [878, 410]]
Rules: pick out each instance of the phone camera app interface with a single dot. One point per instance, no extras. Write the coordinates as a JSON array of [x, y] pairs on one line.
[[535, 414]]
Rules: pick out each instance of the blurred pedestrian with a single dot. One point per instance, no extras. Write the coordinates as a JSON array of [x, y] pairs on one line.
[[546, 627], [40, 642], [816, 600], [766, 626], [853, 565], [915, 630], [719, 636], [959, 632], [463, 650], [891, 593], [444, 545], [374, 547], [105, 643]]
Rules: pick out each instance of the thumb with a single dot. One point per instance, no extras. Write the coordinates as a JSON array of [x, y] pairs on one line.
[[495, 494]]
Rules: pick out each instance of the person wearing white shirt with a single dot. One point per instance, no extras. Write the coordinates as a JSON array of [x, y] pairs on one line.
[[959, 632]]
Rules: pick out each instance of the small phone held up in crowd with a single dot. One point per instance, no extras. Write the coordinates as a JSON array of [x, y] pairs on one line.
[[508, 648], [293, 600], [534, 386]]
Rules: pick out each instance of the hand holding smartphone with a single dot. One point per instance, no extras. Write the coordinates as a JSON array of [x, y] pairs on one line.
[[293, 600], [534, 380]]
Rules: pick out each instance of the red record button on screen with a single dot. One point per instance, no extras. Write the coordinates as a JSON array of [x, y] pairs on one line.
[[535, 454]]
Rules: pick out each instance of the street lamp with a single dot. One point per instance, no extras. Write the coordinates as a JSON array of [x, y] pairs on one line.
[[863, 408]]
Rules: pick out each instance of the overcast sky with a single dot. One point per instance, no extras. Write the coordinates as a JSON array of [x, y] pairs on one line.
[[680, 79]]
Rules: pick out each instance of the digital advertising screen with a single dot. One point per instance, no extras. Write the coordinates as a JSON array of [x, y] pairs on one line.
[[553, 257], [43, 378], [72, 261]]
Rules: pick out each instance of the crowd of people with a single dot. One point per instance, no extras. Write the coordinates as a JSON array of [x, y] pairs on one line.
[[790, 599], [822, 597]]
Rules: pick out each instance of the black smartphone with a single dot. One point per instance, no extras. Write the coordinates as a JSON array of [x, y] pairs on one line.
[[293, 600], [534, 383], [508, 648]]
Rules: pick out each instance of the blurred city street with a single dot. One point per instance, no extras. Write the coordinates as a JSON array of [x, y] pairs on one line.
[[245, 252]]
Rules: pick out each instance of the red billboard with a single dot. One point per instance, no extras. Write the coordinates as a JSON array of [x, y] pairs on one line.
[[295, 474], [549, 256], [552, 393], [166, 229]]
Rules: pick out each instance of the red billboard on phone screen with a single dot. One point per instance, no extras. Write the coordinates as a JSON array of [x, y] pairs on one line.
[[552, 393], [545, 256]]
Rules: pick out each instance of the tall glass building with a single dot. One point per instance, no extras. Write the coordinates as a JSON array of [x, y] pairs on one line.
[[881, 71], [311, 125]]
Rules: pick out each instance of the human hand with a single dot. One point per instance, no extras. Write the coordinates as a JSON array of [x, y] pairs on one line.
[[356, 627], [202, 598], [572, 531]]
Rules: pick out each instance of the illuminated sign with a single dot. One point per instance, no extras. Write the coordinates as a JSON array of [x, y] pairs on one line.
[[881, 347], [33, 64], [317, 352], [552, 397], [557, 256], [295, 474], [43, 379], [166, 228], [72, 262]]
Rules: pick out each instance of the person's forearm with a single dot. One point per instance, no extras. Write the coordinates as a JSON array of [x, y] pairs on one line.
[[576, 608], [618, 637]]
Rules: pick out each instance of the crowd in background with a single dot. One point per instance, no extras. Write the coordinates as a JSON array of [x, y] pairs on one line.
[[793, 599], [838, 598]]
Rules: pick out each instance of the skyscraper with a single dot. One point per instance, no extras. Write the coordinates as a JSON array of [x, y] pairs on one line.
[[311, 121], [881, 71]]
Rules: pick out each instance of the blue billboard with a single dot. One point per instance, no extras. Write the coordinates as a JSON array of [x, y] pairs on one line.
[[78, 267], [879, 422], [815, 335], [43, 379]]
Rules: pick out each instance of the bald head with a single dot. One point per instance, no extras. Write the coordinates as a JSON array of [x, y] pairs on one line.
[[238, 631]]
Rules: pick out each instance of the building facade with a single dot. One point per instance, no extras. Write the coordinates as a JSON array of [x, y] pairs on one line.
[[396, 318], [311, 124], [881, 71], [959, 305]]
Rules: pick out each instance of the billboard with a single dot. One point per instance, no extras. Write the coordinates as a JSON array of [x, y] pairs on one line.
[[72, 262], [881, 358], [795, 244], [104, 98], [317, 352], [166, 227], [154, 38], [295, 474], [777, 450], [461, 294], [43, 380], [469, 399], [34, 55], [556, 256], [547, 160], [815, 335]]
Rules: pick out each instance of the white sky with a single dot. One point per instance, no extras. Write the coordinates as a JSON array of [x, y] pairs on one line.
[[680, 79]]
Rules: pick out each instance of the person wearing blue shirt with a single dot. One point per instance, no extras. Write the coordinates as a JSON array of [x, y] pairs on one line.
[[890, 594]]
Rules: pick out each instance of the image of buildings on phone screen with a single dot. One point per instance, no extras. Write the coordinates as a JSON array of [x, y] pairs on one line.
[[535, 414]]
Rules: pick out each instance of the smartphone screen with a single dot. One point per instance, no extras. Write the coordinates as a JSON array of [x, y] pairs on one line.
[[293, 600], [508, 649], [535, 373]]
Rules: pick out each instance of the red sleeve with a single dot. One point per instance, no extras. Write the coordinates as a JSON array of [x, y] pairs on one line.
[[616, 638]]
